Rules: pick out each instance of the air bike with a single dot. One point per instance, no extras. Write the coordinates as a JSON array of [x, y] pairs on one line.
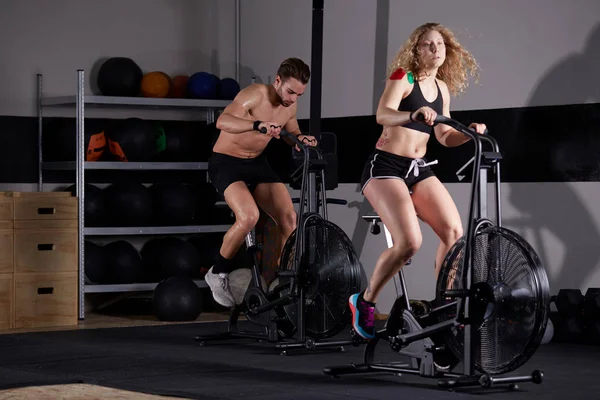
[[491, 303], [307, 304]]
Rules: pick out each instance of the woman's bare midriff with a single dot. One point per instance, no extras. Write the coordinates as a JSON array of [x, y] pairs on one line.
[[403, 142]]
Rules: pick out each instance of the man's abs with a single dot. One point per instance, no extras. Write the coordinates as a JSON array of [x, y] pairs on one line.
[[403, 142], [242, 145]]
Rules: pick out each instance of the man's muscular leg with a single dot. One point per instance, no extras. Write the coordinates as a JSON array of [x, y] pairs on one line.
[[238, 198], [275, 200]]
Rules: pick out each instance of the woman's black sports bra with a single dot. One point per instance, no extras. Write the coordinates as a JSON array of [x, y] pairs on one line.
[[415, 100]]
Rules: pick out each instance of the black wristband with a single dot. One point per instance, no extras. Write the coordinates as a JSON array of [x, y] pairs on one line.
[[256, 124], [410, 117]]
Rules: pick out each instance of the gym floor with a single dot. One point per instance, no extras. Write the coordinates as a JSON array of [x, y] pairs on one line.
[[137, 358]]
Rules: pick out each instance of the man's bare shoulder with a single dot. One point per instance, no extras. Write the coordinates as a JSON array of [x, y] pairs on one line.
[[252, 94], [255, 88]]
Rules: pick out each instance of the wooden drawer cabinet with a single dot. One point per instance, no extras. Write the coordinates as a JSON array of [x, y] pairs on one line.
[[45, 299], [38, 259]]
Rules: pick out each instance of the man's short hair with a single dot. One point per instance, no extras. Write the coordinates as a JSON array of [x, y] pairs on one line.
[[294, 68]]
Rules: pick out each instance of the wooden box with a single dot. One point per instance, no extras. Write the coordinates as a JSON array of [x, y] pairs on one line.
[[7, 303], [38, 259], [43, 300]]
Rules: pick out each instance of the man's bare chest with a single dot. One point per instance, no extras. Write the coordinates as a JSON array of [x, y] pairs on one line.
[[269, 114]]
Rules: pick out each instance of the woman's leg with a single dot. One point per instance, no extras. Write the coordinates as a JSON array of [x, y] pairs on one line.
[[392, 202], [437, 209]]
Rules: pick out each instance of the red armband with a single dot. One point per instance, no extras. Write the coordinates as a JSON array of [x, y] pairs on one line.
[[398, 74]]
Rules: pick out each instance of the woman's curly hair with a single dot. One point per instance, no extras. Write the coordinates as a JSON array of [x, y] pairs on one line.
[[454, 71]]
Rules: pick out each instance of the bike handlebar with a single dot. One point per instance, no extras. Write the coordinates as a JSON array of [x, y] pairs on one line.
[[294, 139], [465, 130]]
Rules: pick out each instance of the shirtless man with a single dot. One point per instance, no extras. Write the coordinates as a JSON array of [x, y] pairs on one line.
[[239, 170]]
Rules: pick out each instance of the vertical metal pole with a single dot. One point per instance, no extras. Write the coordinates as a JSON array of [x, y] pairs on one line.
[[498, 194], [39, 112], [312, 193], [316, 69], [80, 189], [483, 193], [238, 38], [468, 273]]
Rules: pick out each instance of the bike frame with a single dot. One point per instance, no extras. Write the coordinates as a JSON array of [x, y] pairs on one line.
[[481, 161], [313, 204]]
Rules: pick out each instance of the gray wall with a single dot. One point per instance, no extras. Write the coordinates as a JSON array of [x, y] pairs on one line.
[[516, 43], [532, 53], [58, 37]]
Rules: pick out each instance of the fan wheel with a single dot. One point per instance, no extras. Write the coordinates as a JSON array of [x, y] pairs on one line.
[[328, 273], [510, 293]]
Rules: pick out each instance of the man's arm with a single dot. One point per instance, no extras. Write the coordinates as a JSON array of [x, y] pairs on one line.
[[292, 127], [448, 136], [235, 117]]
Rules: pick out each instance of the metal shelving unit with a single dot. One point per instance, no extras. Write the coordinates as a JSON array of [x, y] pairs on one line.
[[80, 101]]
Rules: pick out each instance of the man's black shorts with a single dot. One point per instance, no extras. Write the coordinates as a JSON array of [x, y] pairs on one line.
[[223, 170]]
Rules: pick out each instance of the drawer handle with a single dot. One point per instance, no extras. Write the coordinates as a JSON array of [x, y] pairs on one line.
[[45, 290], [46, 247], [46, 210]]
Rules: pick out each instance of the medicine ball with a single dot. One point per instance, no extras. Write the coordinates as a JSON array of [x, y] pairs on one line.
[[123, 261], [228, 88], [203, 85], [208, 247], [173, 203], [150, 257], [179, 86], [132, 139], [218, 215], [206, 197], [128, 204], [176, 257], [156, 84], [175, 142], [120, 76], [177, 299], [95, 266], [59, 140], [94, 204]]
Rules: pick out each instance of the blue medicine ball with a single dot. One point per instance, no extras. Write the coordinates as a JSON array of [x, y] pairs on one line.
[[203, 85], [228, 88]]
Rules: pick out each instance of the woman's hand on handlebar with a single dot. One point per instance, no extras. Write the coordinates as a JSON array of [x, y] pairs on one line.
[[428, 114], [306, 139], [479, 128]]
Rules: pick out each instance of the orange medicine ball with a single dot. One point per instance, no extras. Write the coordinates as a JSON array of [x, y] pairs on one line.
[[156, 84]]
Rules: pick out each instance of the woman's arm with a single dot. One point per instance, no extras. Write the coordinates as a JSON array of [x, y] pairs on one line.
[[449, 136], [446, 135], [387, 110]]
